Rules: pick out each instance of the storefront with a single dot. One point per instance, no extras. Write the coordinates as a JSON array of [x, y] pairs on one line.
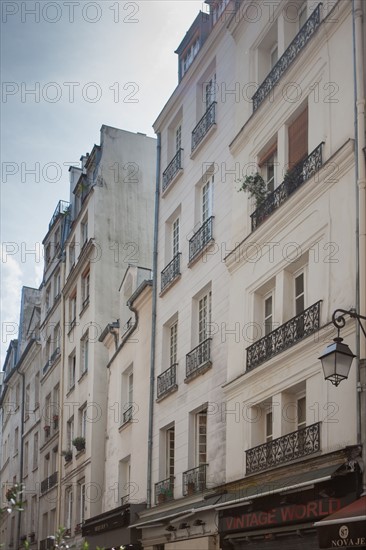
[[346, 528], [111, 529]]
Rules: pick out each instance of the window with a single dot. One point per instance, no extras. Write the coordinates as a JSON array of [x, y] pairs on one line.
[[57, 337], [57, 285], [48, 254], [267, 53], [17, 395], [46, 466], [36, 390], [206, 197], [83, 421], [178, 138], [27, 401], [82, 502], [84, 231], [268, 314], [175, 237], [218, 9], [170, 436], [124, 478], [57, 239], [85, 288], [127, 395], [303, 15], [72, 254], [301, 413], [204, 317], [70, 432], [26, 457], [298, 139], [72, 309], [33, 513], [268, 163], [299, 293], [210, 91], [16, 440], [48, 298], [189, 55], [35, 451], [84, 349], [173, 344], [69, 506], [269, 426], [72, 369], [201, 438]]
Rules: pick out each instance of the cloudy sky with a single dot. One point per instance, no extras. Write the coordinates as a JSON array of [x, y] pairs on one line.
[[67, 67]]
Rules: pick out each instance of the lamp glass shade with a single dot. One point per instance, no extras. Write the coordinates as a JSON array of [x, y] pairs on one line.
[[336, 361]]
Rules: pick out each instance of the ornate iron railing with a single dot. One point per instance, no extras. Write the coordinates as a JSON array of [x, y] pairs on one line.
[[171, 271], [61, 208], [127, 415], [198, 357], [283, 449], [203, 126], [164, 490], [202, 237], [49, 482], [194, 480], [172, 169], [167, 380], [293, 180], [284, 337], [299, 42]]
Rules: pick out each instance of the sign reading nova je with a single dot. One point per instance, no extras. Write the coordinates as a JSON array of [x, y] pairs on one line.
[[281, 515], [350, 535]]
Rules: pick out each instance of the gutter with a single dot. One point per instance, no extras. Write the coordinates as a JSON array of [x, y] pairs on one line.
[[153, 324]]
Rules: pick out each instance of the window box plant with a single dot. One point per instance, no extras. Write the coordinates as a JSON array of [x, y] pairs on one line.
[[256, 187], [67, 455], [79, 443]]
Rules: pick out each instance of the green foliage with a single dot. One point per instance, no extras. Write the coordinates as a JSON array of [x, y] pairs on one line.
[[255, 186]]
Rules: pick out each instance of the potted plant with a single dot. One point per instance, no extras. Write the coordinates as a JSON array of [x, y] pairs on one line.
[[79, 443], [67, 455], [11, 494], [55, 421], [255, 186], [47, 430]]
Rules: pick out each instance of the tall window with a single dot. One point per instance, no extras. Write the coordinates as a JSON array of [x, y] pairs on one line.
[[36, 390], [48, 298], [84, 231], [170, 436], [269, 426], [298, 139], [72, 254], [72, 370], [173, 343], [83, 421], [204, 317], [201, 438], [72, 308], [57, 337], [16, 440], [84, 348], [175, 237], [299, 294], [35, 451], [26, 457], [127, 395], [268, 164], [85, 288], [207, 193], [82, 502], [70, 432], [268, 314], [178, 138], [69, 507], [57, 284], [301, 413], [27, 401], [210, 91]]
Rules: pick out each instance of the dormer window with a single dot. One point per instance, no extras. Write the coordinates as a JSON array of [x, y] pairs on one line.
[[189, 55]]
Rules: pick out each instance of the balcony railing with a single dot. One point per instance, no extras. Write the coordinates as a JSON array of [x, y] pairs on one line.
[[198, 358], [293, 180], [299, 42], [61, 208], [194, 480], [201, 238], [127, 415], [164, 490], [203, 126], [49, 482], [170, 272], [167, 381], [172, 169], [303, 442], [284, 337]]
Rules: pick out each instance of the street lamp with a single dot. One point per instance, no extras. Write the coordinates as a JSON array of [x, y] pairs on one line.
[[337, 358]]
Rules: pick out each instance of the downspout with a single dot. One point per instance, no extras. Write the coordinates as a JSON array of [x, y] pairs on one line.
[[153, 324], [21, 450], [360, 174], [61, 411]]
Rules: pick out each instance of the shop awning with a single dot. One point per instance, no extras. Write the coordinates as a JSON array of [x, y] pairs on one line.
[[345, 528]]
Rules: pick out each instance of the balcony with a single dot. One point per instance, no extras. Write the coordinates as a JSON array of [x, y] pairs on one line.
[[297, 45], [281, 450], [200, 239], [164, 490], [61, 208], [170, 272], [49, 482], [194, 480], [174, 166], [167, 381], [293, 180], [199, 359], [201, 129], [284, 337]]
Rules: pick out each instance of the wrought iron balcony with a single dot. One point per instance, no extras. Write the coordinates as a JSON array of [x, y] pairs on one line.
[[164, 490], [49, 482], [293, 180], [172, 169], [301, 443], [201, 238], [299, 42], [194, 480], [127, 415], [170, 272], [284, 337], [198, 358], [167, 381], [61, 208], [203, 126]]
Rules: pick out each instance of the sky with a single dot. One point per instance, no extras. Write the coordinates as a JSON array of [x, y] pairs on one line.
[[67, 67]]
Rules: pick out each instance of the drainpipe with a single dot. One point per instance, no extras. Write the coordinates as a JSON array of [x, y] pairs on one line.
[[61, 408], [360, 173], [153, 324], [21, 449]]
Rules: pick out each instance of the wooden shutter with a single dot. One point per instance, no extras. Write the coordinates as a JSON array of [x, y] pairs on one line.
[[298, 139]]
